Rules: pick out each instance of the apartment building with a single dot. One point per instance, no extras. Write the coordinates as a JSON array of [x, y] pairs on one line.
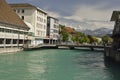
[[52, 29], [35, 17], [13, 31]]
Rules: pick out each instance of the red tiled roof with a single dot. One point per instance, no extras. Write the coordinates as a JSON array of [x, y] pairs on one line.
[[69, 30]]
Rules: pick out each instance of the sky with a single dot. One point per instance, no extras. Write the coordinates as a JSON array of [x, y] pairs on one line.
[[79, 14]]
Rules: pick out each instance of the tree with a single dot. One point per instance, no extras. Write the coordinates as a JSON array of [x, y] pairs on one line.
[[95, 39], [86, 39], [61, 26], [107, 39], [91, 39], [73, 38], [65, 36], [76, 37], [81, 40]]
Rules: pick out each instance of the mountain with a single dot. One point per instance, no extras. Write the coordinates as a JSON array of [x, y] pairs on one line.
[[98, 32], [103, 31]]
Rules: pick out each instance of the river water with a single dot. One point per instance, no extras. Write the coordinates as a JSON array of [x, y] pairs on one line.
[[56, 64]]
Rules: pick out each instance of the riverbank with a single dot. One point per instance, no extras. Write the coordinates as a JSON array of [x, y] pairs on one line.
[[10, 50], [53, 46]]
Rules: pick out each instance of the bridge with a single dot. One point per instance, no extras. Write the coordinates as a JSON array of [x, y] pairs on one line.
[[70, 46], [83, 46]]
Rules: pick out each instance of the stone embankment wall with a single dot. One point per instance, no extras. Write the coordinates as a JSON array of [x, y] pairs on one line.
[[10, 50], [112, 54]]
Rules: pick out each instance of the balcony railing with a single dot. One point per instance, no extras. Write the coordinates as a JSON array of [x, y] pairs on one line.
[[8, 45], [11, 35]]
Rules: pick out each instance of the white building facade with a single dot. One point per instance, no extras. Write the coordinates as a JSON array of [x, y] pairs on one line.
[[53, 29], [13, 31], [12, 36], [35, 17]]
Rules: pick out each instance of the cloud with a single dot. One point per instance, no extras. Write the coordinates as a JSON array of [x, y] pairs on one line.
[[84, 14], [53, 14], [87, 15], [98, 24], [90, 13], [91, 17]]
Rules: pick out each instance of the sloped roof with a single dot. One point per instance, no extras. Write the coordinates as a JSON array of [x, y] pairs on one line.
[[26, 5], [52, 18], [7, 15], [69, 30], [30, 26], [115, 15]]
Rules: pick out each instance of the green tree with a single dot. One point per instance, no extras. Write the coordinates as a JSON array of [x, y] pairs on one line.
[[73, 38], [79, 34], [86, 39], [107, 39], [65, 36], [61, 26], [91, 39], [95, 39], [81, 40]]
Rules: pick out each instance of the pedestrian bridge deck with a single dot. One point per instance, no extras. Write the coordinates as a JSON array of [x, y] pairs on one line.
[[70, 46], [87, 46]]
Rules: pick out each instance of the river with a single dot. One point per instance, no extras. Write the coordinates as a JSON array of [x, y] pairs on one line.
[[56, 64]]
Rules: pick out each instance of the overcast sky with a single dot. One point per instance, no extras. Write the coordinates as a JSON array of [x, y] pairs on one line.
[[81, 14]]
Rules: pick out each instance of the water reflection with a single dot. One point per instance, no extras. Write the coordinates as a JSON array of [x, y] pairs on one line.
[[113, 68], [57, 65]]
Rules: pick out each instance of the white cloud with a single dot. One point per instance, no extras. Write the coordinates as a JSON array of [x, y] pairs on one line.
[[54, 14], [86, 17], [90, 13], [99, 24], [92, 17]]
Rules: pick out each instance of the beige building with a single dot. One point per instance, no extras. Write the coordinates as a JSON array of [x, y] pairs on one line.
[[35, 17], [13, 31]]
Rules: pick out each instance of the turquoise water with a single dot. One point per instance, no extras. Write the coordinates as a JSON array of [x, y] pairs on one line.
[[56, 65]]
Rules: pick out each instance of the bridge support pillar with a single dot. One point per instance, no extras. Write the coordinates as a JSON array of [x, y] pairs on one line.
[[92, 49], [72, 48], [111, 54], [56, 47]]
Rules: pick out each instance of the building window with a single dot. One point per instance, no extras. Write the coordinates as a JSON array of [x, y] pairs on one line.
[[14, 10], [44, 21], [38, 32], [1, 30], [22, 17], [44, 27], [18, 11], [55, 26], [55, 21], [23, 11]]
